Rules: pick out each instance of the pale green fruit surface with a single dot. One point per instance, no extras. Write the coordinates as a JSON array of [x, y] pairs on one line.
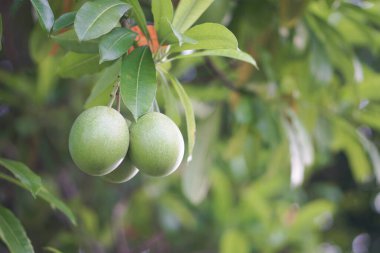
[[156, 144], [125, 172], [99, 140]]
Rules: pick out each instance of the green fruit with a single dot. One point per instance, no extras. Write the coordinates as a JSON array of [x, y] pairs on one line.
[[99, 140], [123, 173], [156, 145]]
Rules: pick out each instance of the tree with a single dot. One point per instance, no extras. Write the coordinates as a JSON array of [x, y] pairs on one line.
[[257, 171]]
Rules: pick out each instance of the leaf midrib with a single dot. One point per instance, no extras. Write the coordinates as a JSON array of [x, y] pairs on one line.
[[97, 17]]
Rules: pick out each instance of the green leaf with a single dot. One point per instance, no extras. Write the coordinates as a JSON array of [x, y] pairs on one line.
[[138, 15], [102, 89], [69, 41], [31, 181], [116, 43], [181, 38], [13, 234], [373, 153], [346, 139], [44, 12], [170, 104], [187, 12], [162, 12], [233, 241], [138, 81], [55, 203], [77, 65], [99, 17], [208, 36], [52, 250], [189, 115], [230, 53], [64, 21], [1, 32]]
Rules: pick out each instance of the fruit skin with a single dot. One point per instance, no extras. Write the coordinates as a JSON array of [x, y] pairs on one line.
[[156, 144], [123, 173], [99, 140]]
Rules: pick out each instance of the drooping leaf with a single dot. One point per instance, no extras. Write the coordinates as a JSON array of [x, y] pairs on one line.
[[64, 21], [208, 36], [99, 17], [69, 41], [102, 89], [170, 105], [189, 115], [195, 176], [187, 12], [44, 12], [138, 15], [13, 234], [116, 43], [76, 65], [162, 12], [230, 53], [138, 81], [31, 181], [56, 203]]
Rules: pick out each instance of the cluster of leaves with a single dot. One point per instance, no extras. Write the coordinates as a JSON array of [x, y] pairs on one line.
[[314, 97]]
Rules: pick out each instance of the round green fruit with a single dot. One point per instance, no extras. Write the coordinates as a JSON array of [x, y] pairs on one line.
[[156, 144], [99, 140], [123, 173]]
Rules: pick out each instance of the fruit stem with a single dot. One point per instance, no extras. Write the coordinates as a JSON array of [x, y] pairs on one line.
[[114, 94]]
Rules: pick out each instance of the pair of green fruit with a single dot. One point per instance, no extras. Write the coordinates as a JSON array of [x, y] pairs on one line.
[[101, 144]]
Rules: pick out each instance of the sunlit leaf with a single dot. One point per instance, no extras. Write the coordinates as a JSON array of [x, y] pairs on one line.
[[208, 36], [138, 83], [163, 15], [13, 234], [99, 17], [187, 12], [230, 53], [233, 241], [44, 12]]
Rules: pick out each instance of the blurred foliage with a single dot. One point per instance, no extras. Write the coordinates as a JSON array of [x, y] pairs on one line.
[[285, 158]]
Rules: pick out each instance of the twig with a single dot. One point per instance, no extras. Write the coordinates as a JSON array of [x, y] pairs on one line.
[[225, 81]]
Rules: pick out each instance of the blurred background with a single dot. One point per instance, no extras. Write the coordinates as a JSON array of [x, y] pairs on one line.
[[286, 157]]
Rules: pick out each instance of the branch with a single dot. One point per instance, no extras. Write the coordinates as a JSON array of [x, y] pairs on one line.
[[225, 80]]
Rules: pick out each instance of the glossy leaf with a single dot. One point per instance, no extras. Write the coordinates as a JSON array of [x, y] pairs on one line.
[[138, 83], [208, 36], [64, 21], [102, 89], [97, 18], [31, 181], [69, 41], [138, 15], [179, 37], [162, 12], [189, 114], [44, 12], [116, 43], [13, 234], [230, 53], [77, 65], [187, 12]]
